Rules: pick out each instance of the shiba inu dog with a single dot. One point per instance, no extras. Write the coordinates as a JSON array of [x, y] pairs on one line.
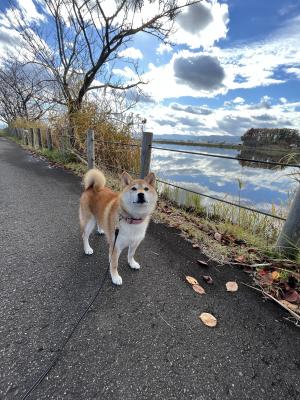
[[127, 212]]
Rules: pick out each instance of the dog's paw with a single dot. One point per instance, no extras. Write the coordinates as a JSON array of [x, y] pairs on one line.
[[116, 279], [88, 251], [134, 265]]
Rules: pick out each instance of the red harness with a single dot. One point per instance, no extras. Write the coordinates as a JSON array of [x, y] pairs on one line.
[[130, 220]]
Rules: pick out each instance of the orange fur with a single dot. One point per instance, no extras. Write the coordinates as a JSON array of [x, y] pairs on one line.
[[99, 203]]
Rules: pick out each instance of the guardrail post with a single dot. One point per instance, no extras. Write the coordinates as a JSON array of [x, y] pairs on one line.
[[90, 148], [25, 135], [31, 133], [22, 135], [39, 138], [49, 139], [146, 154], [288, 242], [65, 144], [71, 132]]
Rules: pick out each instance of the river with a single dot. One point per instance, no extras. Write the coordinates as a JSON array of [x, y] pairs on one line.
[[261, 186]]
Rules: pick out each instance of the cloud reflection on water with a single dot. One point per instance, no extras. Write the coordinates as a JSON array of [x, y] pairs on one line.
[[216, 176]]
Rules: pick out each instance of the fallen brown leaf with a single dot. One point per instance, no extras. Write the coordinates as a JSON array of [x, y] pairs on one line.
[[191, 280], [231, 286], [208, 319], [266, 279], [208, 279], [198, 289]]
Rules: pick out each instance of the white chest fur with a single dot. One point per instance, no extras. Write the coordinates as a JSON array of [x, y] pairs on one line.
[[131, 234]]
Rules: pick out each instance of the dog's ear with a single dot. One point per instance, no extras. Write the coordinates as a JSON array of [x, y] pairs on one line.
[[126, 179], [150, 179]]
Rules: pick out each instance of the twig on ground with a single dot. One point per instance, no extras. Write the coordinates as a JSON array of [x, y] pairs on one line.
[[165, 321], [295, 315]]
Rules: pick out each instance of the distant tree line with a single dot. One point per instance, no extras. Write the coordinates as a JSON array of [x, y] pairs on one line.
[[282, 137]]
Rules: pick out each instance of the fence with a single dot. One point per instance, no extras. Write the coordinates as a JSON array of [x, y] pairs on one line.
[[289, 238]]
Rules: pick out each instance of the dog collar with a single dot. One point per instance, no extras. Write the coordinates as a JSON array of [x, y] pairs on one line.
[[131, 220]]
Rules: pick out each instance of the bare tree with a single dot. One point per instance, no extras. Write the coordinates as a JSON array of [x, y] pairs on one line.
[[22, 92], [88, 38]]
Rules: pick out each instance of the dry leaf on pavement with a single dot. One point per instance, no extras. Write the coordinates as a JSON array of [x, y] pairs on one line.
[[198, 289], [208, 319], [191, 280], [231, 286]]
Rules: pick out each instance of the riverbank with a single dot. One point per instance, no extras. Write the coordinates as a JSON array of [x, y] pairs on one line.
[[273, 149], [200, 144]]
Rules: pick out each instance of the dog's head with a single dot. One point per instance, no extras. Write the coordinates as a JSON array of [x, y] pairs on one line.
[[139, 196]]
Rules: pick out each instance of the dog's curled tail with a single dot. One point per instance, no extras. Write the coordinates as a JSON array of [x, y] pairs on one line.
[[94, 178]]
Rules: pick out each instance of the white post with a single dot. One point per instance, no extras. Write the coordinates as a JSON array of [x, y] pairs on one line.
[[288, 242]]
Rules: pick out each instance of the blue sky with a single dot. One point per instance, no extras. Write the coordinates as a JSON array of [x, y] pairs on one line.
[[231, 65]]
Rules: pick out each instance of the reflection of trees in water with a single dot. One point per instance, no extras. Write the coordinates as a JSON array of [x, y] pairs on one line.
[[273, 156]]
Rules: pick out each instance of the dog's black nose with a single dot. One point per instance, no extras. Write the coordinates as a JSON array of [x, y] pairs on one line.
[[141, 198]]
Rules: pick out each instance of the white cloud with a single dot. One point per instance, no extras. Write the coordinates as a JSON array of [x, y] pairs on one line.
[[169, 80], [255, 64], [283, 100], [246, 66], [164, 48], [131, 52], [29, 11], [201, 24], [126, 73], [177, 119], [238, 100], [294, 71]]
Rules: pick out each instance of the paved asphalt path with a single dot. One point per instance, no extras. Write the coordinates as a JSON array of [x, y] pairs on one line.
[[141, 341]]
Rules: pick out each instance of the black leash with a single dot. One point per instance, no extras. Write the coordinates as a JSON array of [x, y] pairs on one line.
[[56, 358]]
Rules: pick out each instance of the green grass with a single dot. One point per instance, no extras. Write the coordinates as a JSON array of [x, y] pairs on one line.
[[256, 229]]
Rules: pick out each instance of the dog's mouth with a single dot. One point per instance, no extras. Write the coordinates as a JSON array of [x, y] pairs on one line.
[[140, 201]]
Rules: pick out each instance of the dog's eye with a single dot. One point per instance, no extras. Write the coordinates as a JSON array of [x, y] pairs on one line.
[[133, 188], [146, 189]]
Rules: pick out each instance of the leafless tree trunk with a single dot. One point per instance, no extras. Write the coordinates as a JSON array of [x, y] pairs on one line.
[[22, 92], [89, 37]]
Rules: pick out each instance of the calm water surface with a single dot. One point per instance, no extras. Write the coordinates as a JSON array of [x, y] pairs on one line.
[[262, 186]]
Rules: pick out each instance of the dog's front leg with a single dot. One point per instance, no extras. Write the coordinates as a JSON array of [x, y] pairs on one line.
[[114, 259], [131, 251]]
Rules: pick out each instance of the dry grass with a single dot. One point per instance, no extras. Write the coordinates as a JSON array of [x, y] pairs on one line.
[[105, 130]]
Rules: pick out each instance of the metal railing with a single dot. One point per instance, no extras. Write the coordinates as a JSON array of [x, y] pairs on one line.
[[273, 163], [290, 235]]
